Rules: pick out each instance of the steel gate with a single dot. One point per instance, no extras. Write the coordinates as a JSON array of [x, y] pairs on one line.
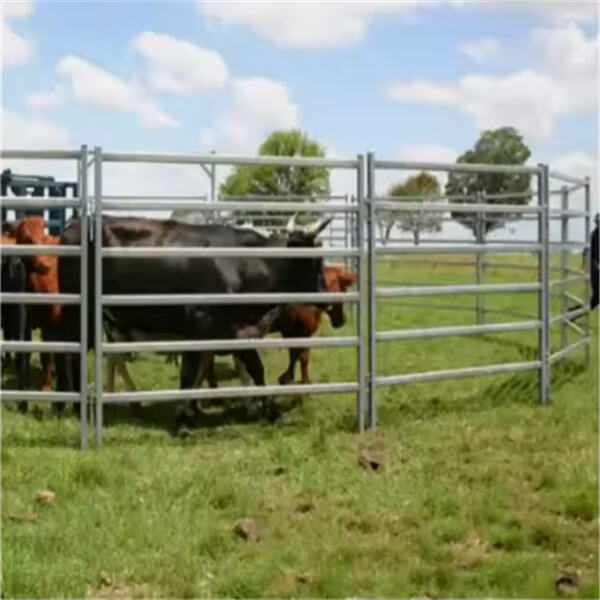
[[359, 213]]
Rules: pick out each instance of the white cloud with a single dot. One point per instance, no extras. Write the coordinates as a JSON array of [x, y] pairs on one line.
[[481, 50], [256, 107], [177, 66], [311, 25], [53, 98], [26, 133], [304, 25], [90, 85], [531, 100], [16, 50]]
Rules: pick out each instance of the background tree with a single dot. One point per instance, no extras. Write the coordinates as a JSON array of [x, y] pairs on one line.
[[422, 184], [270, 180], [503, 146]]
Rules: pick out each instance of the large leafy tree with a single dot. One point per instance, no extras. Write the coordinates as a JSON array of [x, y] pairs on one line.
[[423, 184], [271, 180], [497, 146]]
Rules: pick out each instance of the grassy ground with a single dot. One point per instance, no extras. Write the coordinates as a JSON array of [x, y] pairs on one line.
[[483, 492]]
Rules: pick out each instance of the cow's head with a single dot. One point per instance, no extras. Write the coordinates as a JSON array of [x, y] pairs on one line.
[[338, 280], [308, 275], [30, 231]]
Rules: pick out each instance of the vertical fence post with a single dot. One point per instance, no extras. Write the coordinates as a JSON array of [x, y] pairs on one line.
[[588, 224], [479, 258], [544, 278], [82, 179], [98, 329], [362, 307], [564, 261], [372, 279]]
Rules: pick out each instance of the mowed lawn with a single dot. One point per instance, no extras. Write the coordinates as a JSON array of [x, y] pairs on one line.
[[482, 492]]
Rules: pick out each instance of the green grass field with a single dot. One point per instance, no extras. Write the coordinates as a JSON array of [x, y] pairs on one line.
[[483, 492]]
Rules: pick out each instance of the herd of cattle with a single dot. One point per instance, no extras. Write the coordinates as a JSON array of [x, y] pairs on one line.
[[168, 275]]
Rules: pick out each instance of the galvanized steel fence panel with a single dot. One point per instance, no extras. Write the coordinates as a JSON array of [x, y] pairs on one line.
[[358, 212]]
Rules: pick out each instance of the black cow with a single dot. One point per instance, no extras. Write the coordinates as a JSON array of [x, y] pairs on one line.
[[595, 264], [15, 324], [181, 275]]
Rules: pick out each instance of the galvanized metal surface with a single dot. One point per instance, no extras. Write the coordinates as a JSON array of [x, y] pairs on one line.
[[229, 344], [226, 299], [438, 332], [98, 321], [457, 373], [360, 216], [39, 250], [230, 392], [544, 278], [34, 298], [202, 252], [286, 207], [446, 290]]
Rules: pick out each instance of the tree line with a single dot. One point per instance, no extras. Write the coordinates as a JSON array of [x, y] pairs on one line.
[[498, 146]]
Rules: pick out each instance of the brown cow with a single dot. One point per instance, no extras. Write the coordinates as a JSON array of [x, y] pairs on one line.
[[296, 320], [42, 278]]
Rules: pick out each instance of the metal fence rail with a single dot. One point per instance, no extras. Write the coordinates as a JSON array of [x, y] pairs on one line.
[[352, 238]]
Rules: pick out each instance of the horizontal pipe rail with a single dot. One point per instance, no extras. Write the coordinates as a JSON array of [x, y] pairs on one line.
[[571, 348], [456, 167], [35, 298], [567, 178], [388, 203], [436, 332], [572, 279], [229, 392], [227, 299], [12, 202], [40, 154], [37, 396], [280, 198], [202, 198], [217, 345], [570, 315], [438, 290], [223, 252], [38, 250], [39, 346], [287, 207], [214, 159], [557, 212], [465, 249], [456, 373]]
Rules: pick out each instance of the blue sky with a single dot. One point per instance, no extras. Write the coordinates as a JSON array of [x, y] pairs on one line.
[[411, 79]]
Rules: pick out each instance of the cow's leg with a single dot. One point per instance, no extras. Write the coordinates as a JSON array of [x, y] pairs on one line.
[[211, 375], [240, 370], [256, 370], [187, 412], [23, 358], [304, 359], [46, 359], [110, 376], [288, 375], [121, 365]]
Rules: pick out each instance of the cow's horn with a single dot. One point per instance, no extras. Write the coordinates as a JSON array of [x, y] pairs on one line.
[[316, 228], [291, 225]]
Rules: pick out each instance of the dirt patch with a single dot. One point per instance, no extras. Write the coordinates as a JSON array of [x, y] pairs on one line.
[[248, 529], [469, 552]]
